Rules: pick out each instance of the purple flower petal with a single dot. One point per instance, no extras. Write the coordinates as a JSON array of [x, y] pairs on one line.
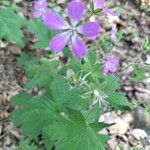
[[40, 5], [54, 21], [106, 70], [75, 11], [59, 41], [79, 47], [37, 14], [90, 29], [99, 4], [110, 64], [109, 12]]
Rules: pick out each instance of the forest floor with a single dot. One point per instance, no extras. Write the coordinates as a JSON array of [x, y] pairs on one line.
[[132, 129]]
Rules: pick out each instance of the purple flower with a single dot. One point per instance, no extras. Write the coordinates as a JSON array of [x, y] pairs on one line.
[[102, 4], [71, 33], [110, 64], [113, 33], [39, 6]]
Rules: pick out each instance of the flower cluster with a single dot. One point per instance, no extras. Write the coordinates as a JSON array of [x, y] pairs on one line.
[[72, 31], [102, 5], [40, 7], [110, 64]]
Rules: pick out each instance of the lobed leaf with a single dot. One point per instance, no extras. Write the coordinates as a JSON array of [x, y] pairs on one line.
[[117, 99], [42, 33], [25, 145], [10, 25], [70, 131]]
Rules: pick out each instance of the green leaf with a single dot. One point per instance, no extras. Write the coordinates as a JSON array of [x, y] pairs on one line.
[[91, 57], [92, 115], [139, 72], [71, 131], [29, 63], [21, 98], [74, 64], [25, 145], [42, 33], [10, 25], [146, 45], [91, 66], [34, 114], [117, 99], [43, 74], [97, 11], [58, 115], [39, 71], [147, 110], [65, 96], [5, 2], [41, 115]]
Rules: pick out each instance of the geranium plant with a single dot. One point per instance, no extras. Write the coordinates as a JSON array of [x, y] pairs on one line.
[[72, 95]]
